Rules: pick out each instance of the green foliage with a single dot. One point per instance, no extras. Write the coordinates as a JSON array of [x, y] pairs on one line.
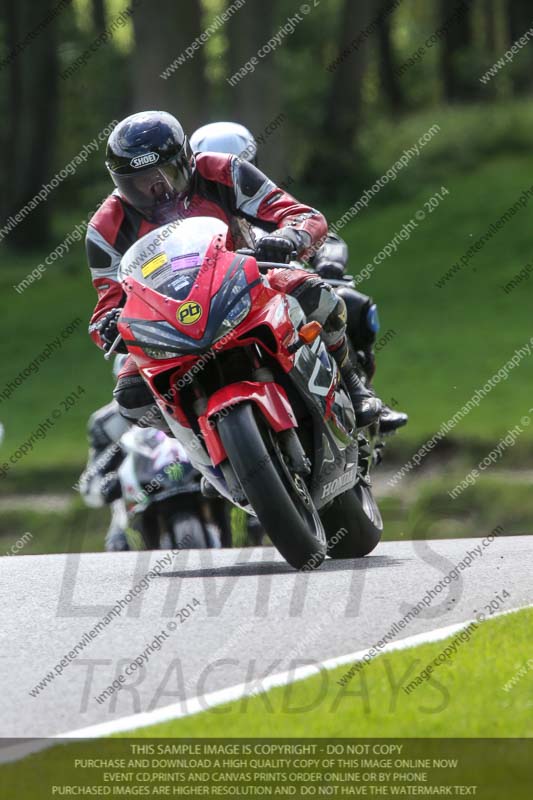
[[471, 135], [216, 47], [74, 529], [450, 341], [466, 313], [467, 701], [36, 317], [491, 502]]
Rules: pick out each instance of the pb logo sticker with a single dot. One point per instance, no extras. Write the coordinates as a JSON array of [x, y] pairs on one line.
[[189, 313]]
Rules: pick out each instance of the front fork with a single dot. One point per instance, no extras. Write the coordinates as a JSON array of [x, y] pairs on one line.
[[370, 452]]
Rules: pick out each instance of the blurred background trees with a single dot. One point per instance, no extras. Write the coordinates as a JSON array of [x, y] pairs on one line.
[[351, 87], [346, 66]]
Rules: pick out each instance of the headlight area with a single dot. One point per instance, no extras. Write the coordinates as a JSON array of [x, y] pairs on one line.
[[160, 355], [234, 301], [234, 317]]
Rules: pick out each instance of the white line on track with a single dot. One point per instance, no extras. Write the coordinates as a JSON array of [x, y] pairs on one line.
[[196, 705]]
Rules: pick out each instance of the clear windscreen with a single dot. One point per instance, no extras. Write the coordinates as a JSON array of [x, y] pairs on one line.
[[169, 258]]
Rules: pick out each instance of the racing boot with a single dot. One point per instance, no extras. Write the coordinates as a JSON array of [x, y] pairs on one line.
[[390, 421], [367, 406]]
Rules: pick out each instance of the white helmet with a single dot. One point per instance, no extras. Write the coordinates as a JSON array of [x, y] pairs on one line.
[[225, 137]]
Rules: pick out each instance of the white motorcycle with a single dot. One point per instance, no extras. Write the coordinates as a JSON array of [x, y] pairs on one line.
[[161, 493]]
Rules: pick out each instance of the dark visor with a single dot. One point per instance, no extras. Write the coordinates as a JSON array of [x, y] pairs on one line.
[[151, 189]]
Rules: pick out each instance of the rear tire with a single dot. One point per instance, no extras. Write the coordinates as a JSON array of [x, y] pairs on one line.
[[282, 503], [353, 523]]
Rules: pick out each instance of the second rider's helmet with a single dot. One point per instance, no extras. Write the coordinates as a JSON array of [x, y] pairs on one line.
[[225, 137]]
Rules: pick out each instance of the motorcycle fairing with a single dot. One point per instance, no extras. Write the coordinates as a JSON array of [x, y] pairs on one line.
[[271, 399], [223, 282]]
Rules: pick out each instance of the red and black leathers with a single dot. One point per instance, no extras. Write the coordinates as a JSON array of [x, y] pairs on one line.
[[224, 187], [237, 193]]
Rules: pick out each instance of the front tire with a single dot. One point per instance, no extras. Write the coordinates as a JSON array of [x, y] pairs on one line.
[[281, 501], [353, 523]]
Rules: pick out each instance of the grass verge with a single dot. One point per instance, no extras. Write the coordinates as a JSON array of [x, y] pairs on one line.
[[465, 697], [475, 694]]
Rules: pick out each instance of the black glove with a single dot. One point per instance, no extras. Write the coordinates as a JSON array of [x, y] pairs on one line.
[[278, 246], [108, 329], [330, 271], [110, 487]]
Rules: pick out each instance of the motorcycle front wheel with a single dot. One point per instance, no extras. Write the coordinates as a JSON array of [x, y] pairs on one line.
[[279, 498]]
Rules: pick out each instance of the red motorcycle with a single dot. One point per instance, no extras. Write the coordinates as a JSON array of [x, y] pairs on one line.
[[247, 386]]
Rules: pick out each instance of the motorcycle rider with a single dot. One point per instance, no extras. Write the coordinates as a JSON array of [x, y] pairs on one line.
[[330, 261], [98, 483], [159, 180]]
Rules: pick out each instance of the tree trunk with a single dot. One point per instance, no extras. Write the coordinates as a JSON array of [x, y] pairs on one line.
[[32, 103], [342, 117], [490, 27], [255, 100], [10, 135], [162, 35], [460, 84], [520, 20], [98, 15], [389, 80]]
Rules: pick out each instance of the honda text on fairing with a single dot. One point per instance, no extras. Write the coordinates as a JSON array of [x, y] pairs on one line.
[[250, 391]]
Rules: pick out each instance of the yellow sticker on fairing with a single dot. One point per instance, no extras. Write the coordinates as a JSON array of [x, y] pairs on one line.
[[155, 263], [189, 313]]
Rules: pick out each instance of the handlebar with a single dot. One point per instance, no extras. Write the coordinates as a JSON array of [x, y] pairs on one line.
[[113, 347], [266, 265], [347, 281]]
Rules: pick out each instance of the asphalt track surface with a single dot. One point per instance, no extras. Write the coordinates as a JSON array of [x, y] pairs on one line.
[[254, 616]]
